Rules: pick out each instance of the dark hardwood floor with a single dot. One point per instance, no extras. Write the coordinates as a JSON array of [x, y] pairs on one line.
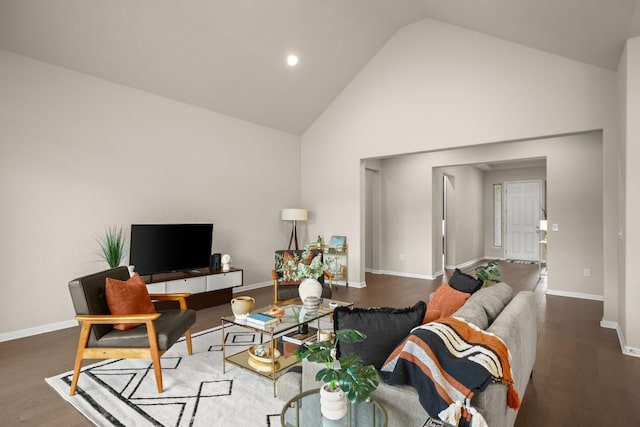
[[580, 377]]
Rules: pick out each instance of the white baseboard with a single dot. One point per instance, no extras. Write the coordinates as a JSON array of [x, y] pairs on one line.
[[43, 329], [626, 350], [578, 295], [243, 288], [401, 274], [353, 284], [608, 324]]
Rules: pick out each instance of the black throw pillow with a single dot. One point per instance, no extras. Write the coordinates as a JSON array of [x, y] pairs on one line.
[[463, 282], [384, 327]]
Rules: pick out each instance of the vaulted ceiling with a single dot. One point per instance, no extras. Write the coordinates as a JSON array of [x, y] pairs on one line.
[[229, 55]]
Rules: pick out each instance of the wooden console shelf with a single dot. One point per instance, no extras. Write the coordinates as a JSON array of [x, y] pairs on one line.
[[208, 287]]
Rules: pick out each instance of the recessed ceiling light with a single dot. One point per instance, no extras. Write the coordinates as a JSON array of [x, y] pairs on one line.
[[292, 60]]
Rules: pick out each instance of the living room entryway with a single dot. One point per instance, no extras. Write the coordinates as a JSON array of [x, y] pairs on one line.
[[522, 214]]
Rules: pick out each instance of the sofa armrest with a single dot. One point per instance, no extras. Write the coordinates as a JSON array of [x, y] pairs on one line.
[[517, 327]]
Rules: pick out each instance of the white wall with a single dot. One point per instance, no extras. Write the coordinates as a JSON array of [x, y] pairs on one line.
[[78, 154], [435, 86], [465, 232], [412, 203], [631, 320]]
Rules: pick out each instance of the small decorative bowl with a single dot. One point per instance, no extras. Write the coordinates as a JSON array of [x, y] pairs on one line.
[[276, 311], [265, 357]]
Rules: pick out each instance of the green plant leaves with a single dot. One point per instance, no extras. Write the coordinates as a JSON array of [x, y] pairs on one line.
[[488, 273], [112, 246], [357, 380]]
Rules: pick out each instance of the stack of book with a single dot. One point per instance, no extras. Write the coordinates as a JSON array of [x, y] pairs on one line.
[[296, 337], [261, 319]]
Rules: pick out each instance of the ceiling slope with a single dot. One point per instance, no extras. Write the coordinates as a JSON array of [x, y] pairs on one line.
[[229, 55]]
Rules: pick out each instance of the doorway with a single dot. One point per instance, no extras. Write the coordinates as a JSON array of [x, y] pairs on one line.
[[448, 226], [522, 214]]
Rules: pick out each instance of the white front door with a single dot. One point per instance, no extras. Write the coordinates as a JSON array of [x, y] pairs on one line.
[[523, 218]]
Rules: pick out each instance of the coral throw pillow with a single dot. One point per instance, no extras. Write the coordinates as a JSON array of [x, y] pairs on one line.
[[446, 301], [130, 297]]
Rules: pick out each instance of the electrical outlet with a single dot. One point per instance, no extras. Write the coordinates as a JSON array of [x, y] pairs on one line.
[[401, 257], [587, 272], [554, 227]]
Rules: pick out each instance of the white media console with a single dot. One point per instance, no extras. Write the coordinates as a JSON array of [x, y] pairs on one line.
[[207, 287]]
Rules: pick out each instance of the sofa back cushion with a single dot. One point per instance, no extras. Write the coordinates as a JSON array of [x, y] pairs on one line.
[[493, 299], [384, 327], [474, 313]]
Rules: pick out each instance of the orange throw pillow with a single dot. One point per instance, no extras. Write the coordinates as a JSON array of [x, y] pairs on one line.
[[431, 315], [130, 297], [445, 300]]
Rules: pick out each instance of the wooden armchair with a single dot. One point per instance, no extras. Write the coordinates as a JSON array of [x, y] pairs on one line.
[[288, 290], [156, 333]]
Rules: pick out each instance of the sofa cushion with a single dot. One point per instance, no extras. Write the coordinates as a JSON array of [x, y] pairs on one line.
[[446, 300], [464, 282], [170, 326], [474, 313], [128, 297], [384, 327], [493, 299]]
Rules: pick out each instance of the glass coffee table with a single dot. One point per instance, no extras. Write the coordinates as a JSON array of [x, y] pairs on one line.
[[304, 410], [275, 364]]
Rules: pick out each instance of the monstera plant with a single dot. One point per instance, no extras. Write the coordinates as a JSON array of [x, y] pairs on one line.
[[356, 379]]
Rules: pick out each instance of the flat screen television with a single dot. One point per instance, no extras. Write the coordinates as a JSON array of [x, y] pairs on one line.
[[159, 248]]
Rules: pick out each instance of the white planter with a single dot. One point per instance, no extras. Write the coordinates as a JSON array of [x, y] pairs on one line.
[[333, 404], [310, 287]]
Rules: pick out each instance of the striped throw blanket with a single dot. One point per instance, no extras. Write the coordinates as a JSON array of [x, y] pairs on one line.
[[447, 362]]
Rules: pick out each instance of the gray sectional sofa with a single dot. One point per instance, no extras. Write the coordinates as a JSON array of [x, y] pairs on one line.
[[494, 309]]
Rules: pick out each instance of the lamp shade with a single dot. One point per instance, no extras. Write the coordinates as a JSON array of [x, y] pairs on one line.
[[294, 214]]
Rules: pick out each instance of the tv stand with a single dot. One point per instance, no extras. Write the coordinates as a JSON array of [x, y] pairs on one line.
[[207, 287]]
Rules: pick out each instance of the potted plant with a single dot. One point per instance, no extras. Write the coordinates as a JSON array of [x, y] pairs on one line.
[[296, 268], [112, 246], [488, 273], [346, 378]]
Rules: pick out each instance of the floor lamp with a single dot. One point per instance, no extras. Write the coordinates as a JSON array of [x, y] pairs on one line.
[[294, 215]]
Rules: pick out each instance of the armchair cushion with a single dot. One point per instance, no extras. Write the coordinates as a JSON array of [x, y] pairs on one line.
[[128, 297], [291, 263], [170, 326]]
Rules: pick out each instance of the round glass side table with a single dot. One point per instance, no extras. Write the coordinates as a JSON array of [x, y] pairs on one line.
[[303, 410]]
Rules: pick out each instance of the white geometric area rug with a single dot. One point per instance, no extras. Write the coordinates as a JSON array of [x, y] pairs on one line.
[[122, 392]]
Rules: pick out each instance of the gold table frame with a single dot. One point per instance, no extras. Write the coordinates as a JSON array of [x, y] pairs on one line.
[[286, 324]]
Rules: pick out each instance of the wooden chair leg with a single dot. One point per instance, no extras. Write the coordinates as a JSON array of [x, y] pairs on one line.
[[155, 354], [82, 344], [187, 336]]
